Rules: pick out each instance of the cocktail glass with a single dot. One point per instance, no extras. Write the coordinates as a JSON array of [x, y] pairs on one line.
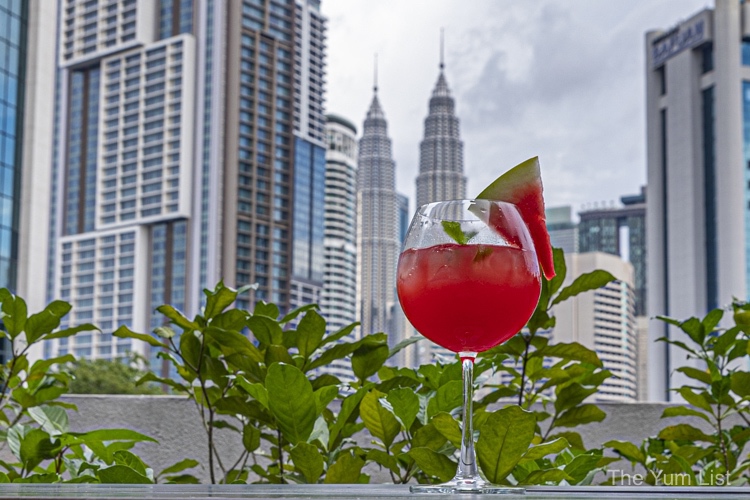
[[468, 279]]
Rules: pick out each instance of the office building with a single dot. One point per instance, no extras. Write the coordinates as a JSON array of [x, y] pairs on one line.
[[190, 148], [620, 231], [563, 232], [698, 157], [404, 216], [603, 320], [377, 228], [27, 90]]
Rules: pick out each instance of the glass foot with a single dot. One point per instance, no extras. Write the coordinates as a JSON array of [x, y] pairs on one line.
[[468, 485]]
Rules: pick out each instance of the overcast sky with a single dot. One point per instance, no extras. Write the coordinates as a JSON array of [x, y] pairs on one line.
[[561, 79]]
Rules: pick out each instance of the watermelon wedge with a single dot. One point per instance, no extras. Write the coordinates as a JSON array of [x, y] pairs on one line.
[[522, 186]]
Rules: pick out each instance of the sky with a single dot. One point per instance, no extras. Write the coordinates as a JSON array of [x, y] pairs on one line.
[[558, 79]]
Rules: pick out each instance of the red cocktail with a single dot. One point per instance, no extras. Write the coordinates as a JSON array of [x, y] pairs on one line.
[[468, 298], [468, 279]]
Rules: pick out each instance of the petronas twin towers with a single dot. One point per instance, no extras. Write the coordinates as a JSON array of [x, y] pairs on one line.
[[440, 177]]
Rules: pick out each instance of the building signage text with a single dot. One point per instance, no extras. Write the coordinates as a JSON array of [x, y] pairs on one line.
[[680, 38]]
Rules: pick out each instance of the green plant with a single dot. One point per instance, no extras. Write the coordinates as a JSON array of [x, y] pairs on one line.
[[515, 441], [34, 421], [268, 392], [104, 376], [683, 454]]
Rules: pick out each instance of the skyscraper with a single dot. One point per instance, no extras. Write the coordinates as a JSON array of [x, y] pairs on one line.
[[698, 157], [377, 227], [620, 231], [27, 90], [338, 303], [184, 158], [441, 159]]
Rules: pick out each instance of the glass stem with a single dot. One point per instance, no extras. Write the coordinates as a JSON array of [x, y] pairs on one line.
[[467, 466]]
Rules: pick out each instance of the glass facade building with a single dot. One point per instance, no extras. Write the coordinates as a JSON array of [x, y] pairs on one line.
[[13, 19], [620, 231]]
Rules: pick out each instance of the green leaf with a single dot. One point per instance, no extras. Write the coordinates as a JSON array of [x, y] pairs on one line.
[[695, 399], [741, 384], [45, 321], [218, 300], [340, 334], [696, 374], [278, 354], [503, 439], [428, 437], [267, 331], [164, 332], [128, 459], [54, 420], [126, 333], [379, 421], [572, 395], [584, 414], [232, 342], [182, 479], [448, 427], [684, 432], [177, 318], [448, 397], [712, 319], [14, 313], [121, 474], [694, 328], [561, 270], [584, 283], [405, 404], [150, 377], [291, 401], [324, 396], [263, 308], [572, 351], [250, 438], [293, 314], [345, 470], [382, 458], [683, 411], [103, 435], [546, 476], [581, 466], [257, 391], [310, 333], [368, 358], [349, 407], [180, 466], [308, 461], [453, 229], [573, 438], [433, 463], [544, 449], [404, 343], [35, 447], [69, 332]]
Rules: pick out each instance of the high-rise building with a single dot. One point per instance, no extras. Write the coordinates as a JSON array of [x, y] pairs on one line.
[[441, 152], [377, 228], [338, 303], [620, 231], [698, 157], [603, 320], [404, 216], [27, 90], [563, 232], [190, 148]]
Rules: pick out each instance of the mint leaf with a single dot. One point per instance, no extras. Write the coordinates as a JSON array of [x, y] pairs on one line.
[[453, 229], [482, 253]]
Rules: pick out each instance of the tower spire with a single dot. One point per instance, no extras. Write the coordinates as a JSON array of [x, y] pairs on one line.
[[375, 87], [442, 48]]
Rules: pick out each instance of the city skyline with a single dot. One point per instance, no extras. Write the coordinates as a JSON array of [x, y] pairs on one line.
[[504, 61]]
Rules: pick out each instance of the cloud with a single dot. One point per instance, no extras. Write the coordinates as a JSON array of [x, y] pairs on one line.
[[562, 80]]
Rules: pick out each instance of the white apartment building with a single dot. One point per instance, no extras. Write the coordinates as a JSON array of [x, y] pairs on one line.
[[603, 320]]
